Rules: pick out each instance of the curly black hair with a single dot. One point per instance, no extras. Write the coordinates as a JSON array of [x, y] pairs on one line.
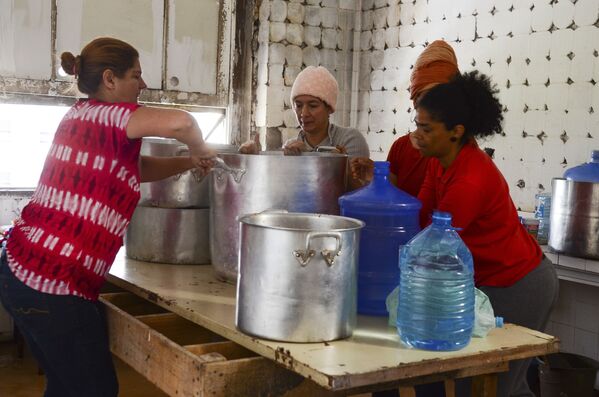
[[469, 99]]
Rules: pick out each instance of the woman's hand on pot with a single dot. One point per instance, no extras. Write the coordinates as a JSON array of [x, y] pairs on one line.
[[294, 148], [341, 149], [202, 158], [252, 146], [362, 170]]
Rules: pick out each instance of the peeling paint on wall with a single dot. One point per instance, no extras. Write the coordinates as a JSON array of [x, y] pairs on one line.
[[114, 15], [25, 24]]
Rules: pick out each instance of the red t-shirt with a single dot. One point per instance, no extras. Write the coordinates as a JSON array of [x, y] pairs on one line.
[[408, 165], [68, 235], [473, 190]]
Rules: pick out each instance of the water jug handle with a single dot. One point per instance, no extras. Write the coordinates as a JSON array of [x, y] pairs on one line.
[[304, 256]]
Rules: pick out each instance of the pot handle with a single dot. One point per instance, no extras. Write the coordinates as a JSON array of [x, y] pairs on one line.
[[304, 257], [220, 164]]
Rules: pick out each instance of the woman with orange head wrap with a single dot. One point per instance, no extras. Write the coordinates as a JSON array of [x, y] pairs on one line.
[[437, 64]]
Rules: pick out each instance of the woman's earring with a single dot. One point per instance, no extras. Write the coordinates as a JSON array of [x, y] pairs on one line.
[[453, 139]]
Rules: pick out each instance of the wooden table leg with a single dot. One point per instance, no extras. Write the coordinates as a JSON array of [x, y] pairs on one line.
[[484, 385], [407, 391], [449, 388]]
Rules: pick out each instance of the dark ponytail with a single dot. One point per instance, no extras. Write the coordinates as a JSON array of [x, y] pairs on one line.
[[469, 99]]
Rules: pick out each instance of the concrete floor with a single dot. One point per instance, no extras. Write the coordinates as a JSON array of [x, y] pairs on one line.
[[19, 377]]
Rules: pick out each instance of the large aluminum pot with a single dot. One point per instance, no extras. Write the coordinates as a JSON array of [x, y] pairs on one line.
[[169, 235], [185, 190], [312, 182], [297, 276], [575, 218]]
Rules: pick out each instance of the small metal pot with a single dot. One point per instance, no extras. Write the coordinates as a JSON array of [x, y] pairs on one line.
[[184, 190], [297, 276], [574, 218], [169, 235]]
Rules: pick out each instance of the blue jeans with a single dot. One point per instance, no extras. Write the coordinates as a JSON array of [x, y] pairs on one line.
[[66, 334]]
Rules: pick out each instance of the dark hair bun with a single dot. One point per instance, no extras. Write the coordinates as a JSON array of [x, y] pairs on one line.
[[68, 61]]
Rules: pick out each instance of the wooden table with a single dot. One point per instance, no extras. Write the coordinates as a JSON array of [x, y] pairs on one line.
[[372, 359]]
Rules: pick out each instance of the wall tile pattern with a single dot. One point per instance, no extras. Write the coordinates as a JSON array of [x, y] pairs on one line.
[[291, 36], [543, 56]]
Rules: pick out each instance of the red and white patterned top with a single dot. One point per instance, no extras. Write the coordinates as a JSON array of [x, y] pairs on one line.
[[68, 235]]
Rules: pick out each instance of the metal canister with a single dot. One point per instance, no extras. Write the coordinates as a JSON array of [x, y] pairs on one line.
[[297, 278], [575, 218]]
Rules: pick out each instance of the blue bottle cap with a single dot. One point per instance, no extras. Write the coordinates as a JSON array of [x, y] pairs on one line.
[[499, 322]]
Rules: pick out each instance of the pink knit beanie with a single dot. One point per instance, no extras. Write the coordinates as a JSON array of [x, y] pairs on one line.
[[317, 82]]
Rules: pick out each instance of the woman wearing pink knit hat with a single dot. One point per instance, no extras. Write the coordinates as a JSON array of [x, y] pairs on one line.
[[314, 99]]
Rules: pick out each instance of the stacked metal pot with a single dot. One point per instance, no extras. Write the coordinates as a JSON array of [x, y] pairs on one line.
[[171, 221], [294, 266]]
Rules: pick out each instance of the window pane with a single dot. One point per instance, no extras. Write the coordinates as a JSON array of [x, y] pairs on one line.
[[213, 125], [27, 131]]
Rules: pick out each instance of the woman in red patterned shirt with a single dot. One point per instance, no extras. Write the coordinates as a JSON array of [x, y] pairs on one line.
[[66, 238]]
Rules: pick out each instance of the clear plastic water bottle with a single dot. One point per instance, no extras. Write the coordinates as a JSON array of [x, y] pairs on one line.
[[391, 217], [436, 293], [542, 213]]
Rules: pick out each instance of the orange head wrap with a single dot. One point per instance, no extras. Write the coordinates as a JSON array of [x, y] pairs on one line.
[[437, 64]]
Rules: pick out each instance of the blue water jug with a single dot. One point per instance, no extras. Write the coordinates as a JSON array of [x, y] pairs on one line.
[[391, 217], [587, 172], [436, 290]]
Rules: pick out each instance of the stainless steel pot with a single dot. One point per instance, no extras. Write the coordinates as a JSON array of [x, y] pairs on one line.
[[575, 218], [169, 235], [312, 182], [297, 276], [185, 190]]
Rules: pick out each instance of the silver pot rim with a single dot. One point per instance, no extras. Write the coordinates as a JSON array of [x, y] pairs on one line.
[[251, 220], [281, 154], [560, 179]]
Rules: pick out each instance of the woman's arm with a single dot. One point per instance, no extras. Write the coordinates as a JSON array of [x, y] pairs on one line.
[[170, 123], [153, 168]]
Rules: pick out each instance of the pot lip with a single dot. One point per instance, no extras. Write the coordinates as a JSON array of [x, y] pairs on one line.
[[561, 180], [279, 153], [248, 220]]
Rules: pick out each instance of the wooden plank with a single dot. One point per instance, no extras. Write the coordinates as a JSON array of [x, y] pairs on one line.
[[449, 387], [484, 386], [407, 391], [230, 350], [178, 329], [372, 356], [482, 369], [132, 304], [171, 368], [256, 376]]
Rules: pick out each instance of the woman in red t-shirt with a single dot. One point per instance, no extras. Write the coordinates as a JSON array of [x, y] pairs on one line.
[[67, 236], [436, 64], [461, 179]]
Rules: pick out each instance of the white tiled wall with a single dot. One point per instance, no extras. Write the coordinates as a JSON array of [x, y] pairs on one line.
[[575, 320], [544, 57], [294, 34]]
